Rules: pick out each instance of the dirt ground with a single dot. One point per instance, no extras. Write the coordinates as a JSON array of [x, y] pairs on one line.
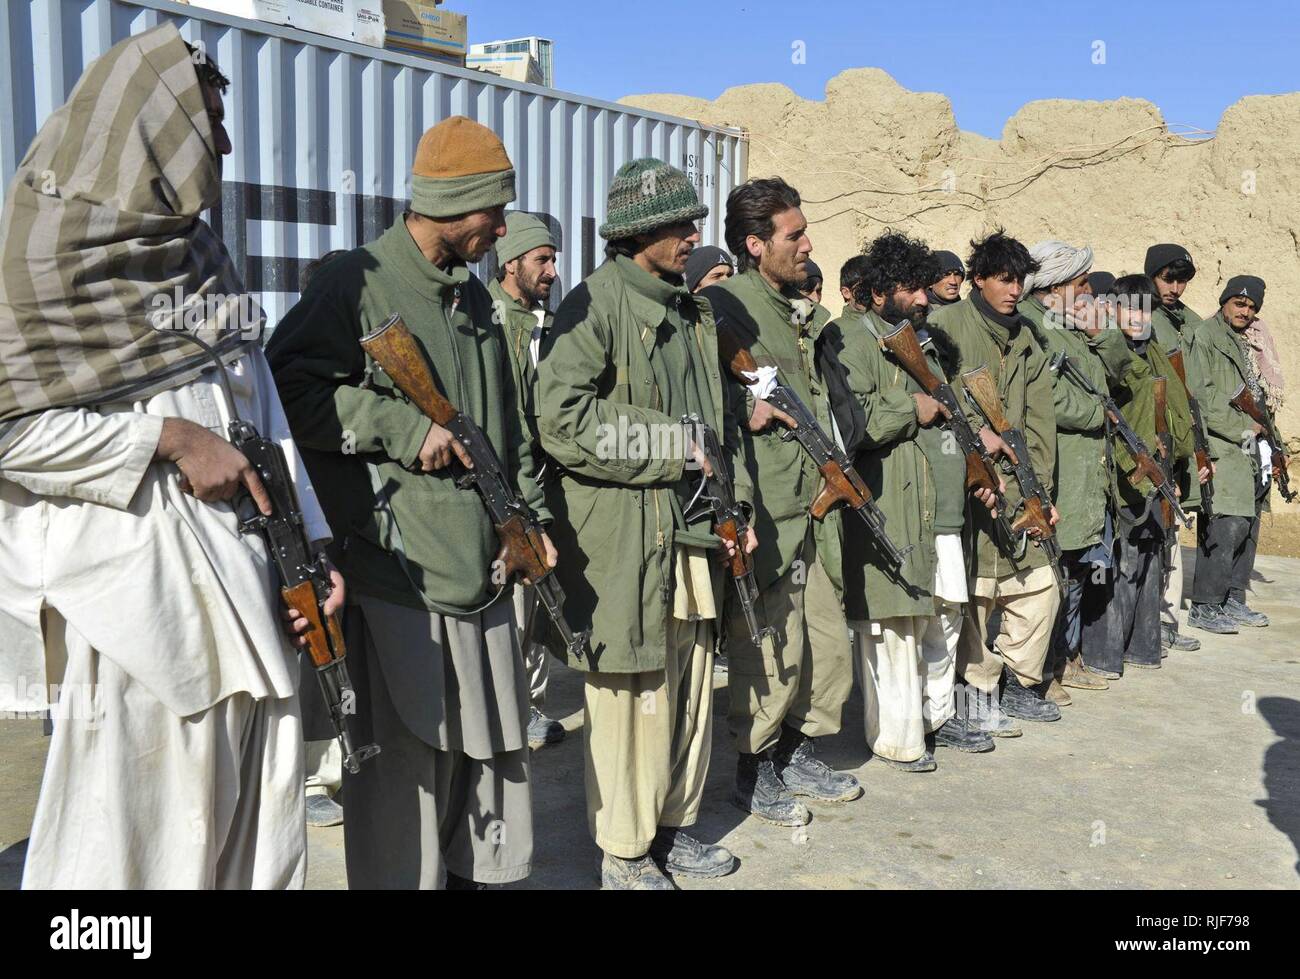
[[1279, 534], [1184, 777]]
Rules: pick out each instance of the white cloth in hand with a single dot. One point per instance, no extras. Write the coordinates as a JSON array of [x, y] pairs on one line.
[[762, 382], [1265, 458]]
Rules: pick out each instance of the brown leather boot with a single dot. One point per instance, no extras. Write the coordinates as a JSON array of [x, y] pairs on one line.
[[1079, 678], [1057, 694]]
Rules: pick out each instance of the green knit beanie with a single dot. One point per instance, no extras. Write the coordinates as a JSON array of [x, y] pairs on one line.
[[524, 232], [647, 194]]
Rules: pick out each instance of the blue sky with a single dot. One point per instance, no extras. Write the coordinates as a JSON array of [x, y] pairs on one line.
[[1192, 58]]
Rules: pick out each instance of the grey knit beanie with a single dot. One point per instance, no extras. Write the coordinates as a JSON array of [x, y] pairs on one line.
[[647, 194]]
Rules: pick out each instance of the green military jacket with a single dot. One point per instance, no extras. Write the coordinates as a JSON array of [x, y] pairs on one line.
[[519, 322], [785, 479], [411, 538], [1020, 369], [1173, 330], [616, 501], [1083, 477], [910, 484], [1220, 371], [1134, 394]]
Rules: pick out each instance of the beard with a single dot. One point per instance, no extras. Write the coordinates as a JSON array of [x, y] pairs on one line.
[[536, 291], [891, 312]]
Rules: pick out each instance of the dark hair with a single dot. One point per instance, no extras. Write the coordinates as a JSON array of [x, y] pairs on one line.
[[750, 209], [627, 247], [999, 254], [1179, 270], [315, 265], [206, 68], [1134, 291], [851, 273], [894, 260]]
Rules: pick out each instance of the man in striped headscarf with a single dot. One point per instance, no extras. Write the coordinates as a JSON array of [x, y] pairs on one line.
[[125, 584]]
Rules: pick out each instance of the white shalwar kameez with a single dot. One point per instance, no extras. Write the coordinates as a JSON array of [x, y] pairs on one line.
[[150, 626]]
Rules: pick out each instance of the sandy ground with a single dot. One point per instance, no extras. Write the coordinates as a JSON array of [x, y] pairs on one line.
[[1184, 777]]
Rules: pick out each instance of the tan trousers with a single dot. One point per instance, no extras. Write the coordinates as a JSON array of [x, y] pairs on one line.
[[802, 678], [1171, 603], [648, 737], [324, 766], [908, 664], [1028, 602]]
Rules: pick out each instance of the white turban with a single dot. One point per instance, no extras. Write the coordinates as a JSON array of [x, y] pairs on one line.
[[1058, 262]]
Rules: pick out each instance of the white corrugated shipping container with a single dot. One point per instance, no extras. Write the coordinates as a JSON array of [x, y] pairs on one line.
[[324, 132]]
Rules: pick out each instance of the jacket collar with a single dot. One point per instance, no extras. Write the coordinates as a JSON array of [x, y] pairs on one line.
[[1177, 313], [418, 272], [806, 318], [1005, 330], [513, 305], [649, 296], [1223, 338], [875, 323]]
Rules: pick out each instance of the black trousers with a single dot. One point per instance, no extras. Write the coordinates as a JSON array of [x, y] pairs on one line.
[[1066, 633], [1225, 556], [1121, 614], [1241, 570]]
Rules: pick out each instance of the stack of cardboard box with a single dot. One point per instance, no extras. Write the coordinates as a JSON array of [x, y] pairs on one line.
[[409, 26], [519, 67], [419, 27], [353, 20]]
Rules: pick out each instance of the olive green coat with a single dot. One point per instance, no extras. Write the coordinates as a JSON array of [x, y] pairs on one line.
[[616, 506], [1173, 328], [519, 321], [1134, 394], [893, 460], [1220, 371], [1020, 369], [1083, 477], [412, 538], [783, 475]]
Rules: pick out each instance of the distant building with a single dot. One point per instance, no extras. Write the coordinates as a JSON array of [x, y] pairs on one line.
[[510, 58]]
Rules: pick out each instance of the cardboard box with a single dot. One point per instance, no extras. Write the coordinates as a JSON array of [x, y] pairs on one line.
[[415, 26], [351, 20], [518, 66]]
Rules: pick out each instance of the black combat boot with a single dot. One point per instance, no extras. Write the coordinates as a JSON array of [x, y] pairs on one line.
[[1171, 638], [542, 729], [759, 791], [323, 811], [1211, 618], [638, 874], [678, 853], [1243, 614], [925, 763], [1023, 703], [961, 735], [804, 775]]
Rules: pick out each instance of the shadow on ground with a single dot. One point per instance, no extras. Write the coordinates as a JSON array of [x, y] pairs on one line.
[[1282, 768]]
